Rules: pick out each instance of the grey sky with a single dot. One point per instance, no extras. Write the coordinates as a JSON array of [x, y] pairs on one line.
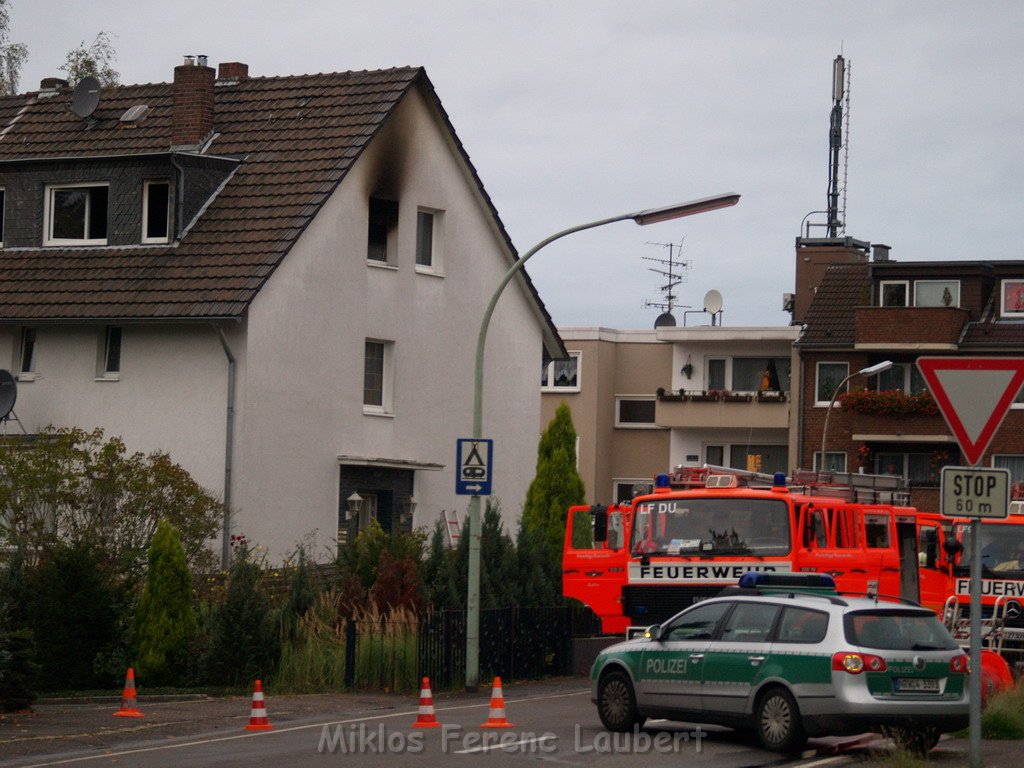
[[573, 111]]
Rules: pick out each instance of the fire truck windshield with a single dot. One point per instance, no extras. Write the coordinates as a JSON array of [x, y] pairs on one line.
[[702, 526], [1002, 549]]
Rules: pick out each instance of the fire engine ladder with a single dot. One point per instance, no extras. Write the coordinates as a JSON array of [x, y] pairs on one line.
[[991, 627], [452, 527]]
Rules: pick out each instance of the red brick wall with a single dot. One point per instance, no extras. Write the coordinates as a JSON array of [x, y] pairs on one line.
[[909, 325], [192, 116]]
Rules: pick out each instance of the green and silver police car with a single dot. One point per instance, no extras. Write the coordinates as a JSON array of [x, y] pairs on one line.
[[789, 657]]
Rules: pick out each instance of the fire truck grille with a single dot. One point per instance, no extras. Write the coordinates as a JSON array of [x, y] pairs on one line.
[[653, 604]]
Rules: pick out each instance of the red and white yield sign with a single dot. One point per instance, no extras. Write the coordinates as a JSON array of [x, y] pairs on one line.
[[974, 395]]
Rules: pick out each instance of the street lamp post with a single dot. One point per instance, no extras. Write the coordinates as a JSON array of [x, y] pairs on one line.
[[649, 216], [871, 370]]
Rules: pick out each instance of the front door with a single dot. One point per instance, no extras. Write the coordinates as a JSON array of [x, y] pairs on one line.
[[671, 669], [734, 661]]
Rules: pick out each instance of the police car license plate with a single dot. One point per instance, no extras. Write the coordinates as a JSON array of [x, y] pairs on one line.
[[917, 684]]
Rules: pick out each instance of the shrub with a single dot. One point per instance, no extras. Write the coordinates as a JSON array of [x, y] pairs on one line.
[[1003, 717], [891, 402], [165, 622], [18, 670], [243, 630], [76, 610]]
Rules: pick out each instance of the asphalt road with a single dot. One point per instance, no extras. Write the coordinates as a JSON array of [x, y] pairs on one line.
[[554, 722]]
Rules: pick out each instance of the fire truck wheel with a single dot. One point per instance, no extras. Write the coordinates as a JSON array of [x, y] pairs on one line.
[[616, 703], [777, 721]]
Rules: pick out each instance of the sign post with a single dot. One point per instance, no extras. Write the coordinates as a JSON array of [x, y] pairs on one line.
[[974, 394]]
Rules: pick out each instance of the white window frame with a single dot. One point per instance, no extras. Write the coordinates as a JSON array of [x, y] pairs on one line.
[[817, 380], [906, 292], [1003, 311], [436, 266], [634, 424], [386, 408], [830, 454], [145, 211], [51, 190], [630, 481], [103, 370], [27, 373], [956, 298], [548, 384]]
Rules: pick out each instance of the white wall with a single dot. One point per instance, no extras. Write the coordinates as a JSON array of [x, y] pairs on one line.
[[170, 395], [303, 398]]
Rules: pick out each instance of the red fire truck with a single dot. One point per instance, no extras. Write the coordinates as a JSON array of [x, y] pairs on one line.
[[1002, 581], [703, 528]]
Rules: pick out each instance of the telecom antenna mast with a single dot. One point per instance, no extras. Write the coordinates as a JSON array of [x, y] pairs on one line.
[[836, 224], [672, 269]]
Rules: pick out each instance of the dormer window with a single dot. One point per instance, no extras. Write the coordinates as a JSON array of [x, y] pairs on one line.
[[76, 215], [937, 293], [1012, 304], [155, 211], [893, 293]]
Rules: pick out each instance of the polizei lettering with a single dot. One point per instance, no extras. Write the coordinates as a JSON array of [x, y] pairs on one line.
[[671, 573], [665, 666], [992, 588]]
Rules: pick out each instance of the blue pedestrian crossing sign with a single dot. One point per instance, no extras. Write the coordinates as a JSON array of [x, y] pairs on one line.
[[473, 467]]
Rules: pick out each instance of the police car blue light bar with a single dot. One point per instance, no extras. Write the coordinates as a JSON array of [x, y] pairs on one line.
[[755, 579]]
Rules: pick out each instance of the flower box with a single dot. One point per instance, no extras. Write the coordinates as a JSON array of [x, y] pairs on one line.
[[771, 397]]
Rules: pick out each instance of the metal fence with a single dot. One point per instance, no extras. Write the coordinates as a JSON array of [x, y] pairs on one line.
[[515, 644]]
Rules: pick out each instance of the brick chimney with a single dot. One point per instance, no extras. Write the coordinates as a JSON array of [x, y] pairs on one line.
[[233, 70], [192, 112]]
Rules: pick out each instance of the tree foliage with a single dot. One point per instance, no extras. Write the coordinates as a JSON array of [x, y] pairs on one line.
[[12, 55], [557, 484], [165, 621], [74, 486], [93, 60]]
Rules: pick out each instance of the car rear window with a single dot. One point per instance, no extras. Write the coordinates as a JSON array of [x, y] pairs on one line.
[[909, 630]]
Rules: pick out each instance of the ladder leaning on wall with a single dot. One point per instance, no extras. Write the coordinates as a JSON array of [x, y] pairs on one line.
[[452, 527]]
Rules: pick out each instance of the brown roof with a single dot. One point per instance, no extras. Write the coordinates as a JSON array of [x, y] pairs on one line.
[[298, 136], [830, 318]]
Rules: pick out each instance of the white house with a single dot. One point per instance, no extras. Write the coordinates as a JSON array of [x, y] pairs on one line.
[[277, 280]]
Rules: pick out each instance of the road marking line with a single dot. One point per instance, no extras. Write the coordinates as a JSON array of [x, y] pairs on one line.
[[258, 734], [489, 747], [824, 761]]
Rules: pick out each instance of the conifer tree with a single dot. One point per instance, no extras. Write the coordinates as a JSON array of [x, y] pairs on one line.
[[165, 621], [557, 484]]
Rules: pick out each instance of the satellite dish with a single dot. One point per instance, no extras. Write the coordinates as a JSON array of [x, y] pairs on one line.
[[8, 393], [86, 97], [665, 320], [713, 301]]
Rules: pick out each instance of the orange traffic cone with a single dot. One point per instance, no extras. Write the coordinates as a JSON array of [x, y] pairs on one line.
[[496, 717], [425, 718], [128, 706], [258, 720]]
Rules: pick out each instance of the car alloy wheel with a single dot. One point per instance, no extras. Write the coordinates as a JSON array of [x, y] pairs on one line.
[[777, 721], [616, 702]]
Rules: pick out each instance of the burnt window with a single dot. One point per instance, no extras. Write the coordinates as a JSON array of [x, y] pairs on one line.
[[383, 229]]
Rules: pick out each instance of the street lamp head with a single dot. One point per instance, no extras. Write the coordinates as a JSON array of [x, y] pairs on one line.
[[669, 212], [871, 370]]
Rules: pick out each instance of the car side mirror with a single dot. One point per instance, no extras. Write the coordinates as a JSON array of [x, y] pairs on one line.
[[653, 632], [600, 514], [953, 548]]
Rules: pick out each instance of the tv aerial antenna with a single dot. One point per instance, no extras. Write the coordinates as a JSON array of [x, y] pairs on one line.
[[672, 270]]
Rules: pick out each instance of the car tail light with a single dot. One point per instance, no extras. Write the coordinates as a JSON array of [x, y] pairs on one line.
[[855, 663], [959, 664]]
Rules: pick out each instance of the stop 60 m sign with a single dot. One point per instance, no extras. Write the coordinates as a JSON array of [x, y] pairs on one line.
[[968, 492]]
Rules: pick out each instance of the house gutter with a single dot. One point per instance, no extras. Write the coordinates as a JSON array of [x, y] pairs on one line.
[[229, 439]]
